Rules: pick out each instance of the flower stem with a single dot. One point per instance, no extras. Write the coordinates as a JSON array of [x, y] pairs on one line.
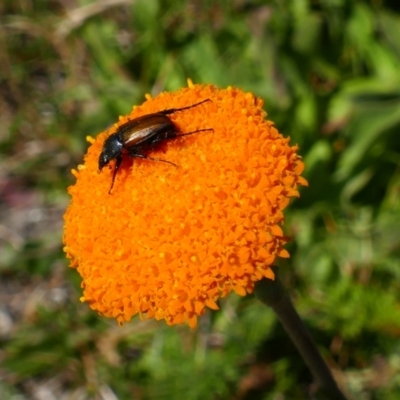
[[272, 293]]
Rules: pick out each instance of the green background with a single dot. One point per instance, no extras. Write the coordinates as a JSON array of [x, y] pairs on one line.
[[329, 72]]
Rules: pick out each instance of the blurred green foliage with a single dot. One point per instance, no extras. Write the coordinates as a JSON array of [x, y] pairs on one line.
[[329, 72]]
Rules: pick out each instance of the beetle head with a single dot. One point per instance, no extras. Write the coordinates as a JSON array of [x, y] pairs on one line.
[[112, 148]]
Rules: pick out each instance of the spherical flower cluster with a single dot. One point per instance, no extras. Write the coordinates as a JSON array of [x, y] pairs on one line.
[[169, 241]]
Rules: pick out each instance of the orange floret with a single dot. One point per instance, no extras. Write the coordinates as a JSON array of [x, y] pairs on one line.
[[168, 242]]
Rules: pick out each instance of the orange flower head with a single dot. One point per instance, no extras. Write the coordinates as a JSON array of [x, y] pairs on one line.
[[169, 241]]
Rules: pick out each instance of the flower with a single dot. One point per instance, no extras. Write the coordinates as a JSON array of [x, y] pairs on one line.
[[168, 242]]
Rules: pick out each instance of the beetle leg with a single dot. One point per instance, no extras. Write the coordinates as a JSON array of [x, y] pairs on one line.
[[138, 155], [172, 110], [191, 133], [170, 134], [118, 162]]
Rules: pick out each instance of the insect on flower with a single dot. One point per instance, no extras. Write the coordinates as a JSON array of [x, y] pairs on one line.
[[138, 136]]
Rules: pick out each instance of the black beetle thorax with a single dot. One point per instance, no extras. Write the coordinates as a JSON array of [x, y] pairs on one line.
[[113, 146]]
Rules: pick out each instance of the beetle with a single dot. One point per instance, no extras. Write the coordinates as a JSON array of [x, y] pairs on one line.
[[139, 135]]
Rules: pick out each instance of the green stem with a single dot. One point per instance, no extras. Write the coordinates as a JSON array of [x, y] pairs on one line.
[[272, 293]]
